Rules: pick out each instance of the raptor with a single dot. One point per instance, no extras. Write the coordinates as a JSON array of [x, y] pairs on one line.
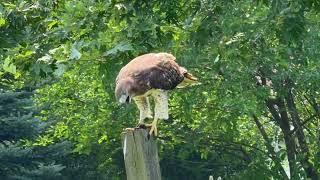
[[151, 76]]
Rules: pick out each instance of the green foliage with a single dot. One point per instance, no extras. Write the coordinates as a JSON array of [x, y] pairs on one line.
[[15, 113], [250, 58], [18, 124], [24, 158]]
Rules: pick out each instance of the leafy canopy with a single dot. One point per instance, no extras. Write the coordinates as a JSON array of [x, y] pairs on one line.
[[257, 62]]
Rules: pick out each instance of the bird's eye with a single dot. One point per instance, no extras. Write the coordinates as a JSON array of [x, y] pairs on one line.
[[128, 99]]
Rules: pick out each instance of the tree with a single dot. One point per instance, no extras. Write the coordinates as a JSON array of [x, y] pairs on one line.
[[256, 110], [17, 125]]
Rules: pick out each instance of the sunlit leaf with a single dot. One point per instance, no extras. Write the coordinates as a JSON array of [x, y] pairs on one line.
[[61, 68], [75, 54], [2, 21], [8, 66], [121, 47], [46, 58]]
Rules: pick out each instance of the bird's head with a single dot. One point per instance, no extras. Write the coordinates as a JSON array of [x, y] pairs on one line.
[[123, 91]]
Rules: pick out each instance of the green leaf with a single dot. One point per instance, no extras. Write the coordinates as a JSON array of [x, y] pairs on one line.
[[50, 25], [121, 47], [9, 5], [75, 54], [8, 66], [2, 21], [61, 68], [36, 68], [217, 59], [46, 58]]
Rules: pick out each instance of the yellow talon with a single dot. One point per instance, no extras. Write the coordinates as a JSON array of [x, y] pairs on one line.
[[153, 128]]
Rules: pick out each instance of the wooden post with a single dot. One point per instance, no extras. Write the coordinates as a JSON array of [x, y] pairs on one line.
[[140, 155]]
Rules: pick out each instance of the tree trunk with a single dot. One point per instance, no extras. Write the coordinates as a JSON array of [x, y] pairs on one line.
[[305, 153], [140, 155], [270, 149], [281, 117]]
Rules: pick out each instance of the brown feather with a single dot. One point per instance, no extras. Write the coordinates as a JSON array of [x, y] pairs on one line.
[[152, 71]]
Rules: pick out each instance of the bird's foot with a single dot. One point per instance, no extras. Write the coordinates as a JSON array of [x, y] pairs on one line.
[[153, 128], [141, 123]]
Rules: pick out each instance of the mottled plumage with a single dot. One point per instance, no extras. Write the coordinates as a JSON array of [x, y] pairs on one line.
[[150, 75]]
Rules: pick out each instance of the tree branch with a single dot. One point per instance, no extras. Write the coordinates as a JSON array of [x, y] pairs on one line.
[[270, 149], [282, 119], [308, 167]]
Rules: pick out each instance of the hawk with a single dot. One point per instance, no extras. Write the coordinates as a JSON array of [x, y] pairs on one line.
[[151, 76]]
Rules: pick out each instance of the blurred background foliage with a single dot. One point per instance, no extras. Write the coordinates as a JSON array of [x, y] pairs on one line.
[[255, 115]]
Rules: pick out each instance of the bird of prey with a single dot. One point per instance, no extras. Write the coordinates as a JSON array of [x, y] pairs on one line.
[[151, 76]]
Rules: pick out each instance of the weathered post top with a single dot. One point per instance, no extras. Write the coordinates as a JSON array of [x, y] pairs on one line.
[[140, 155]]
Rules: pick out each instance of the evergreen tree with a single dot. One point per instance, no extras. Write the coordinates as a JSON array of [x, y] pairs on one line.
[[18, 123]]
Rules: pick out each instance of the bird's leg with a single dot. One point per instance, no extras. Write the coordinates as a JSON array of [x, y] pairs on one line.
[[153, 128], [160, 110], [145, 111], [148, 109], [141, 122]]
